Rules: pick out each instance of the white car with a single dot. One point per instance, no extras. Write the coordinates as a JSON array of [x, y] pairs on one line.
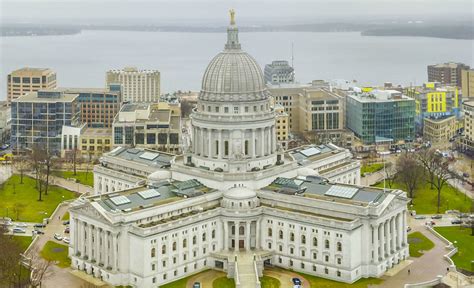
[[21, 225], [18, 230], [58, 237], [66, 240]]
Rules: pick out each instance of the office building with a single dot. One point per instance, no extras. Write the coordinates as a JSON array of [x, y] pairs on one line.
[[95, 141], [446, 73], [279, 72], [153, 126], [467, 81], [381, 117], [466, 142], [138, 86], [5, 123], [440, 131], [282, 126], [235, 201], [26, 80], [38, 119]]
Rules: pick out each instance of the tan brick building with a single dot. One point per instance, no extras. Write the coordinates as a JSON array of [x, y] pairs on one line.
[[25, 80], [467, 81], [440, 130]]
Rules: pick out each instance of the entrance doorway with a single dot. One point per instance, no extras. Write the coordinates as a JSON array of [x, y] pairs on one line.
[[241, 244]]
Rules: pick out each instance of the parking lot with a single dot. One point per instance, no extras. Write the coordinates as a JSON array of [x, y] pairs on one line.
[[445, 220]]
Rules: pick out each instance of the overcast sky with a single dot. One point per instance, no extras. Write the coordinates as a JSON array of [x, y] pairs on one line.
[[215, 11]]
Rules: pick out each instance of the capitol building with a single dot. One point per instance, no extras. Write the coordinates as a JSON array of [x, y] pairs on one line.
[[234, 200]]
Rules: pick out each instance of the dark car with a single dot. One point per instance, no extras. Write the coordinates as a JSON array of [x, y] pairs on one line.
[[38, 232], [39, 225], [296, 281], [456, 221], [436, 217], [197, 285], [66, 230], [463, 215], [66, 222]]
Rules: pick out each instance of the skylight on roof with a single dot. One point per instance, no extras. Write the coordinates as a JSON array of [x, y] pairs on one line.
[[120, 200], [133, 151], [147, 194], [149, 156], [342, 191], [310, 152], [115, 150]]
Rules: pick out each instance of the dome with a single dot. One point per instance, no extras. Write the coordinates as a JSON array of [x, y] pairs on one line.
[[233, 75], [159, 175], [240, 193], [305, 171]]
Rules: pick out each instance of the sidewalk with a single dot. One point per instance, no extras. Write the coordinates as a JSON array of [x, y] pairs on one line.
[[69, 185]]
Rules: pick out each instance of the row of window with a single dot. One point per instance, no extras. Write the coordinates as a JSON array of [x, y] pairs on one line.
[[184, 244], [303, 239], [236, 109]]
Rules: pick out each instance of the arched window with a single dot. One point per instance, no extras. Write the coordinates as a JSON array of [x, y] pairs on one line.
[[241, 230], [292, 236], [326, 244], [315, 241], [270, 232], [203, 237], [339, 246], [280, 234], [194, 240], [153, 252], [163, 249], [303, 239], [213, 234], [185, 243], [174, 246]]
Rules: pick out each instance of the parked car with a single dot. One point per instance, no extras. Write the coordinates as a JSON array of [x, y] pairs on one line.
[[296, 281], [66, 240], [420, 217], [437, 216], [38, 232], [21, 225], [463, 215], [39, 225], [456, 221], [197, 285], [58, 237], [408, 228], [431, 222], [4, 147], [18, 230], [66, 230], [66, 222]]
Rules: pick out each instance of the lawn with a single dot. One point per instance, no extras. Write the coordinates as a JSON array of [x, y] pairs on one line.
[[371, 168], [418, 242], [426, 199], [223, 282], [465, 245], [23, 241], [86, 178], [270, 282], [20, 201], [326, 283], [181, 283], [56, 252], [65, 217]]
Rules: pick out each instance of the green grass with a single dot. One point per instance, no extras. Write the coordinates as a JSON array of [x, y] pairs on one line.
[[418, 242], [371, 168], [465, 244], [426, 199], [270, 282], [181, 283], [326, 283], [23, 241], [86, 178], [56, 252], [223, 282], [65, 217], [24, 197]]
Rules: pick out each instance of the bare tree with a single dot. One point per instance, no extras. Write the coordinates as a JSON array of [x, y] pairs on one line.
[[10, 269], [40, 268], [390, 174], [409, 173], [73, 157], [428, 158], [21, 164], [49, 162]]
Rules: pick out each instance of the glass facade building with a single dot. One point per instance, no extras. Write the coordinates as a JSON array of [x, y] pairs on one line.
[[381, 117]]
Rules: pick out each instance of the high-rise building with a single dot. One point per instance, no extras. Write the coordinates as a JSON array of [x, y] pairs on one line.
[[154, 126], [138, 86], [25, 80], [38, 119], [446, 73], [279, 72], [467, 81], [381, 116], [466, 142]]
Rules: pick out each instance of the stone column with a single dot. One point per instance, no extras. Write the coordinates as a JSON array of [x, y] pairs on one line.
[[97, 247], [400, 231], [201, 142], [236, 236], [262, 142], [375, 231], [253, 144], [274, 138], [257, 234], [89, 241], [404, 228], [106, 249], [242, 139], [382, 240], [247, 236], [114, 252], [209, 135], [394, 235], [226, 236], [75, 238], [219, 155]]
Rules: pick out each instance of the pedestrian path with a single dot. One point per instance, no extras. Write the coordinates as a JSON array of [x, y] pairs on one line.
[[247, 276]]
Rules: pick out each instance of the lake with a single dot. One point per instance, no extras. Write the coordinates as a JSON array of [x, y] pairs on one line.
[[81, 60]]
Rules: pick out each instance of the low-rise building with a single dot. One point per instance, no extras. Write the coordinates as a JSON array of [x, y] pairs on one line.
[[381, 117], [440, 131], [153, 126], [282, 128], [95, 141]]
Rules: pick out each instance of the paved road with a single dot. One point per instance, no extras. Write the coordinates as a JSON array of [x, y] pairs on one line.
[[69, 185], [372, 178], [5, 172]]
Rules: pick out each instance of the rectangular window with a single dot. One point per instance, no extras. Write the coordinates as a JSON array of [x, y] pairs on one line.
[[236, 110], [226, 148]]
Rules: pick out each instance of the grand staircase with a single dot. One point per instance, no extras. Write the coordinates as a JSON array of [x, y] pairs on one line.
[[246, 269]]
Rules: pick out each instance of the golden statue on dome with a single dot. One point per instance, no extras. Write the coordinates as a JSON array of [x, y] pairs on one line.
[[232, 16]]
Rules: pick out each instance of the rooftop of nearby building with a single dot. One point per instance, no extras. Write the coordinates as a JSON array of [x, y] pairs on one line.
[[44, 96], [32, 70], [132, 70], [378, 96], [310, 153], [97, 132], [148, 157], [318, 188], [447, 65]]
